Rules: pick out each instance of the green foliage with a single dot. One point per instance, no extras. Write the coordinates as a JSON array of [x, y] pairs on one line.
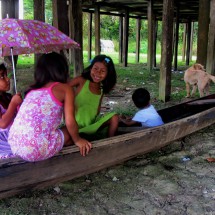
[[28, 9], [28, 6]]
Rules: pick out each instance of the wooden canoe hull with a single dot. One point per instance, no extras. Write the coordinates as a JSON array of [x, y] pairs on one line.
[[17, 176]]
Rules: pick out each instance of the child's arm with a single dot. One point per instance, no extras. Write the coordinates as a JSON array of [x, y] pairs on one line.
[[8, 116], [128, 121], [71, 124]]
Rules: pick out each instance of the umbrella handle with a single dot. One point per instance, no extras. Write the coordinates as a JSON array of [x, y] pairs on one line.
[[14, 70]]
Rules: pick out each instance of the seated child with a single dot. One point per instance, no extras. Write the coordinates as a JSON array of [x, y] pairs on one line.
[[8, 109], [147, 115], [96, 80]]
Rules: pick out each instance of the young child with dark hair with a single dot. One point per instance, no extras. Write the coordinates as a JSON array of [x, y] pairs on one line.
[[35, 134], [8, 110], [147, 115], [97, 79]]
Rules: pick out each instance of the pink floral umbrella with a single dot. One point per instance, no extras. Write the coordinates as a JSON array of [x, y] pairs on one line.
[[31, 36]]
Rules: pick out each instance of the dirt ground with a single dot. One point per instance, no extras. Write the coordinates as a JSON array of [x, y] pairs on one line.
[[176, 180]]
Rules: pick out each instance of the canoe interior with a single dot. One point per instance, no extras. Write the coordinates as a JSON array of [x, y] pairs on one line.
[[187, 108]]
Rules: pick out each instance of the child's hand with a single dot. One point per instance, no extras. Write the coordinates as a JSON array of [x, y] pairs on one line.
[[17, 99], [123, 118], [84, 146]]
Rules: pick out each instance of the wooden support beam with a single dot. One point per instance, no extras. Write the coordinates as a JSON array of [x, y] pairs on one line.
[[191, 41], [176, 41], [151, 19], [60, 15], [125, 38], [188, 43], [90, 21], [210, 66], [204, 19], [120, 39], [75, 32], [39, 14], [97, 30], [155, 43], [138, 26], [166, 50], [184, 41]]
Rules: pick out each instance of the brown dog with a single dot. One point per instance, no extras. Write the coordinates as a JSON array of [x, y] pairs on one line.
[[196, 76]]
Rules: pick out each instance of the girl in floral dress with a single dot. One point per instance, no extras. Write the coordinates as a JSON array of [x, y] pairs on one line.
[[35, 134]]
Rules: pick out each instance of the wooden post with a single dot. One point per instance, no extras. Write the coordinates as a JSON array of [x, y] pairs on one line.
[[166, 50], [210, 66], [184, 42], [75, 32], [61, 21], [150, 35], [188, 43], [120, 39], [191, 41], [60, 15], [125, 38], [97, 30], [155, 43], [176, 41], [39, 10], [90, 21], [202, 43], [39, 14], [138, 26]]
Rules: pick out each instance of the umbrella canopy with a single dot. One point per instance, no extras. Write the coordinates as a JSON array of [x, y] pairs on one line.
[[31, 36]]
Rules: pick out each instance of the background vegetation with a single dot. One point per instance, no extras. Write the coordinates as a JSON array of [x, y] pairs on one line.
[[110, 30]]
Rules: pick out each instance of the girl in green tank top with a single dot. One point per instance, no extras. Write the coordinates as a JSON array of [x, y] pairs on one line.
[[97, 79]]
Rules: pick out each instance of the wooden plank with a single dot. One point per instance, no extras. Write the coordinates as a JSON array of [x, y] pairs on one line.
[[17, 176], [202, 102]]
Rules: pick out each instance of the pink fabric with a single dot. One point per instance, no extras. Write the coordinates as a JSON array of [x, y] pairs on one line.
[[31, 36], [34, 134]]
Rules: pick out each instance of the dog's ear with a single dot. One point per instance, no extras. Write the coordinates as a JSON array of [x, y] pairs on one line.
[[198, 66], [195, 66]]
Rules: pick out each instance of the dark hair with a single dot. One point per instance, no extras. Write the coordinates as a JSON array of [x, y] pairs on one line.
[[141, 97], [50, 67], [2, 67], [110, 80]]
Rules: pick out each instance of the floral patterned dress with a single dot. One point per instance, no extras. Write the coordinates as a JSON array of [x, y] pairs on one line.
[[34, 135]]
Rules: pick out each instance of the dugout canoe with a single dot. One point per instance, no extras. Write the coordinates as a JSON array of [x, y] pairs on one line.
[[17, 175]]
